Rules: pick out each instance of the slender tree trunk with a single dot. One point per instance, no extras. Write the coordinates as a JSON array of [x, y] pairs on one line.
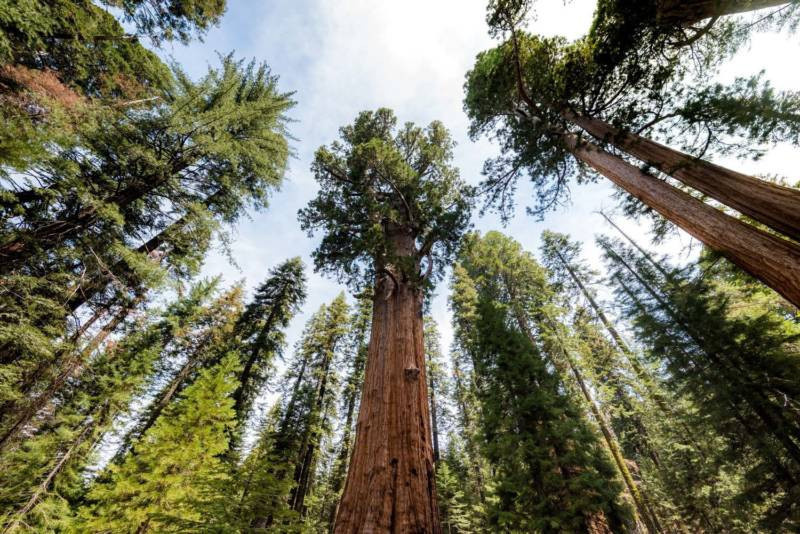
[[390, 484], [689, 12], [754, 398], [774, 261], [651, 521], [773, 205], [434, 424], [70, 369], [42, 488], [641, 250]]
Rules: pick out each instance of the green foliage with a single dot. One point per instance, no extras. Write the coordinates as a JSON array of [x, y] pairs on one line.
[[379, 184], [551, 473], [259, 336], [736, 358], [171, 19], [172, 480]]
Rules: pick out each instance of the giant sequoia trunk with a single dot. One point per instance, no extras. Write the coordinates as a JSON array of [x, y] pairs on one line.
[[774, 261], [773, 205], [689, 12], [390, 482]]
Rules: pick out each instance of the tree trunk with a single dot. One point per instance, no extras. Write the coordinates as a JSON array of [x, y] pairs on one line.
[[774, 261], [72, 368], [390, 483], [434, 423], [754, 398], [773, 205], [651, 521], [689, 12]]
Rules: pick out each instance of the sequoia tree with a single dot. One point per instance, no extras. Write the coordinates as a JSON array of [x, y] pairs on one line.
[[391, 209], [510, 93]]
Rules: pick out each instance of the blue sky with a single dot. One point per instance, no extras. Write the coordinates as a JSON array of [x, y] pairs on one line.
[[350, 55]]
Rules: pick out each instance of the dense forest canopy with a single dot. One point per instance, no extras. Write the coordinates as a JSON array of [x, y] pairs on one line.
[[220, 313]]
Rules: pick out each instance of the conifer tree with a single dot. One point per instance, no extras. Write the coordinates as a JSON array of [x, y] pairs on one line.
[[258, 333], [530, 92], [44, 474], [737, 368], [389, 201], [560, 479], [357, 345], [198, 349], [173, 479], [437, 385]]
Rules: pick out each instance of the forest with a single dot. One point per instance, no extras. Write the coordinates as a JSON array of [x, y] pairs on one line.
[[434, 353]]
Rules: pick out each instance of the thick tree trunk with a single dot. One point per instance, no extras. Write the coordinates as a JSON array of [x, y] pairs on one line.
[[70, 369], [773, 205], [689, 12], [390, 483], [774, 261]]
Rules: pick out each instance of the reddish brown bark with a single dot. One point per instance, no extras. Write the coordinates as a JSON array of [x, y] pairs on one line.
[[773, 205], [774, 261], [390, 482], [688, 12]]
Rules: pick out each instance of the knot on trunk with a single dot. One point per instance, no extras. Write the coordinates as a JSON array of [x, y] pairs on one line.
[[412, 373]]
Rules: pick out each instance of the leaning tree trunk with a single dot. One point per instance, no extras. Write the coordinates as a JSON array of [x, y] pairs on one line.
[[390, 483], [689, 12], [773, 260], [650, 519], [773, 205]]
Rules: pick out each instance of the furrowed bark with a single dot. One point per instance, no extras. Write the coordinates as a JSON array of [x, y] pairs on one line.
[[689, 12], [773, 205], [390, 483], [773, 260], [434, 423]]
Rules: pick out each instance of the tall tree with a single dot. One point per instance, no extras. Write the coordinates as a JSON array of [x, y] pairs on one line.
[[437, 386], [356, 353], [738, 368], [561, 479], [389, 201], [258, 334], [173, 479], [535, 139]]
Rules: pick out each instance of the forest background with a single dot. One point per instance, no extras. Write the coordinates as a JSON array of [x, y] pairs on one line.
[[344, 57]]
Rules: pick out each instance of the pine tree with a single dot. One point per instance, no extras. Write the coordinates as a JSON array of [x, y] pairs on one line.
[[437, 382], [259, 336], [550, 469], [737, 369], [173, 479], [199, 348], [292, 438], [388, 200], [44, 475], [357, 346]]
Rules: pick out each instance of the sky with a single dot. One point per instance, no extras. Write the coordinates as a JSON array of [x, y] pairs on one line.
[[347, 56]]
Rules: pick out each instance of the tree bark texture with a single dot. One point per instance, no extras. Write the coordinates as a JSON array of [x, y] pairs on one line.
[[390, 483], [689, 12], [773, 260], [773, 205]]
